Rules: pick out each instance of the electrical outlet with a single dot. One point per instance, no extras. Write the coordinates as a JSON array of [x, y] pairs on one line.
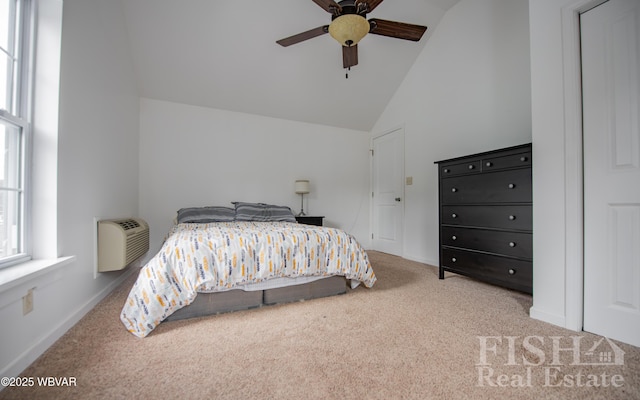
[[409, 180], [27, 302]]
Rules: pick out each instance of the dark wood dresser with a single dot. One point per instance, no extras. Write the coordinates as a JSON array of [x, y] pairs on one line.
[[486, 217]]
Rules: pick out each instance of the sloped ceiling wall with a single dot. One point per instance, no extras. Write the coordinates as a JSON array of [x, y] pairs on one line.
[[223, 55]]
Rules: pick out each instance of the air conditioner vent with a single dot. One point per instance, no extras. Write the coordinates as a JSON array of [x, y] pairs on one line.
[[128, 224]]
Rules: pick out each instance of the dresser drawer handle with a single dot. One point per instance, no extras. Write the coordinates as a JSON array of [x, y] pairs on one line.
[[446, 170], [454, 190], [512, 217], [524, 158], [454, 215], [512, 185], [512, 244], [471, 166], [489, 164], [454, 237], [453, 259], [512, 271]]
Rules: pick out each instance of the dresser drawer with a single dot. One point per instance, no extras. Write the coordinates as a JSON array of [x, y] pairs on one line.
[[514, 244], [468, 167], [513, 186], [511, 217], [507, 161], [515, 274]]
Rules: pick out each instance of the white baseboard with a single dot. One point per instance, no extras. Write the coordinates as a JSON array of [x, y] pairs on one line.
[[433, 263], [554, 319]]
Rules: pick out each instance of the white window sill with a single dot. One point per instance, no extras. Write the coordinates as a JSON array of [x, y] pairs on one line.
[[20, 273]]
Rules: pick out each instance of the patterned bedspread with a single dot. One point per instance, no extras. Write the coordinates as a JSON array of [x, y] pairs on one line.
[[209, 257]]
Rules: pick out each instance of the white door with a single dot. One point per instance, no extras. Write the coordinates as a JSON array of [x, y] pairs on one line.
[[388, 196], [611, 90]]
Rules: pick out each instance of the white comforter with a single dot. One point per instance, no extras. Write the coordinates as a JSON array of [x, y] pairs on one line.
[[226, 255]]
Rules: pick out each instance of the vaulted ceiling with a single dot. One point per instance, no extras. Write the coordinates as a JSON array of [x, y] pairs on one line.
[[223, 54]]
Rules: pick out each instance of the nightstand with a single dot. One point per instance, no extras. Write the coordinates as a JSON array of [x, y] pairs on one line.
[[309, 219]]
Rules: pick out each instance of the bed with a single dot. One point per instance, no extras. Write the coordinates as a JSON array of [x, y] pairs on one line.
[[219, 259]]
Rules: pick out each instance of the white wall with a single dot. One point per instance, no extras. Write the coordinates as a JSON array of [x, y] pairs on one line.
[[469, 91], [97, 175], [196, 156], [557, 174]]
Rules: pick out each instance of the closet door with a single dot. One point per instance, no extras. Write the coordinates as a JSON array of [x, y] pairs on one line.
[[611, 90]]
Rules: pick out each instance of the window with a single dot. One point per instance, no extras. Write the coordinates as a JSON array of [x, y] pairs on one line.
[[15, 47]]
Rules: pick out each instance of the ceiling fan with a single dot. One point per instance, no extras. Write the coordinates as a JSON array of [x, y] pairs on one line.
[[349, 25]]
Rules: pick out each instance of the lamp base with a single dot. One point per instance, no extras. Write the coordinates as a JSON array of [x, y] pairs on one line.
[[301, 213]]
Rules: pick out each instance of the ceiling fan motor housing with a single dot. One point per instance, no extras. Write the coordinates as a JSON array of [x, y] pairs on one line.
[[350, 7]]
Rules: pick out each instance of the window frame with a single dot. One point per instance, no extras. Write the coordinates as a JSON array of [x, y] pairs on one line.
[[21, 117]]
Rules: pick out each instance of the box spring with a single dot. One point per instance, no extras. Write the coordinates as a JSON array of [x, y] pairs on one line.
[[235, 300]]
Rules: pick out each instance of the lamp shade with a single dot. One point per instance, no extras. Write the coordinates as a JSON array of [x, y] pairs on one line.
[[348, 29], [302, 186]]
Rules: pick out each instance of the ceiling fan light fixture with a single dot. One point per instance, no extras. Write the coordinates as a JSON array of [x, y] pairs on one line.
[[349, 29]]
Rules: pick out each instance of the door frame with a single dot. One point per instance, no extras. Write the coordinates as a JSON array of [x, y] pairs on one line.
[[574, 162], [371, 183]]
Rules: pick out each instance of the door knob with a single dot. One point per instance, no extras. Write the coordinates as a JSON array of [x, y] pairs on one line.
[[398, 199]]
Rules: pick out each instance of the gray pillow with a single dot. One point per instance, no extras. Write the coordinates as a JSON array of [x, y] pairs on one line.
[[263, 212], [205, 214]]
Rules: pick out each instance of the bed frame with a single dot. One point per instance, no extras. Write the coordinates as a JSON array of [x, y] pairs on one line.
[[236, 300]]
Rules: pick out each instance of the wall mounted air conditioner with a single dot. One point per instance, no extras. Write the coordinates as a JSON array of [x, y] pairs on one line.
[[120, 242]]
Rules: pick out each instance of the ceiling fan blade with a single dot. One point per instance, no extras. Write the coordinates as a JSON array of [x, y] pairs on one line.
[[371, 4], [329, 5], [349, 56], [300, 37], [399, 30]]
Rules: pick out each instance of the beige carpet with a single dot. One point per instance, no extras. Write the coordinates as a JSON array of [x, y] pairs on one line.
[[409, 337]]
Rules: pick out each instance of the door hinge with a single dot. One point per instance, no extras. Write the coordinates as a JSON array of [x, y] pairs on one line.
[[371, 150], [372, 236]]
